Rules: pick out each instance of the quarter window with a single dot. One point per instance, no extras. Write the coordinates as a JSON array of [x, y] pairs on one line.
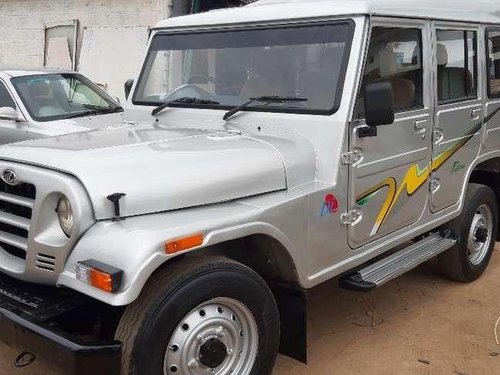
[[5, 98], [494, 63], [395, 56], [456, 58]]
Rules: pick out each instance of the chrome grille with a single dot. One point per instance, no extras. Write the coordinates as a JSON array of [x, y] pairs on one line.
[[16, 207]]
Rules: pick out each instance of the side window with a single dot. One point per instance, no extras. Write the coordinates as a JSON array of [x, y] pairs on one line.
[[493, 44], [5, 98], [456, 57], [395, 56]]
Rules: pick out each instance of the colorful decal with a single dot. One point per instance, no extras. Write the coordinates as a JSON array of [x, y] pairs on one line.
[[414, 179], [457, 166], [330, 205]]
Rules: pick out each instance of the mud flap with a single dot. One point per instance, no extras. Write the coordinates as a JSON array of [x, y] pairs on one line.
[[292, 305]]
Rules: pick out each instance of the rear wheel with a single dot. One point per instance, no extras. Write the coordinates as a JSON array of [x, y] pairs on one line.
[[201, 316], [477, 231]]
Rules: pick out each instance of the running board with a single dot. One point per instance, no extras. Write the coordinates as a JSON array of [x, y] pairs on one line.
[[389, 268]]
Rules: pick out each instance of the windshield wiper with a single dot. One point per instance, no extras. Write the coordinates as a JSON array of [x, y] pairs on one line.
[[265, 99], [102, 109], [81, 114], [183, 100], [92, 112]]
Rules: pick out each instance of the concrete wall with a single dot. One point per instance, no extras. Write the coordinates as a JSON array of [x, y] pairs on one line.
[[22, 42]]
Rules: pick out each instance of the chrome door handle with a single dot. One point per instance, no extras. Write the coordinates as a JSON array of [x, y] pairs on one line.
[[475, 114], [437, 135], [419, 127]]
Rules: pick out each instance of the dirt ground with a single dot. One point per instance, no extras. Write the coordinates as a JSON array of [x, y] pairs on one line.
[[423, 324]]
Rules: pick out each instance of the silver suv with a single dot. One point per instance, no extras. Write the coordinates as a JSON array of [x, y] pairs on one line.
[[267, 149]]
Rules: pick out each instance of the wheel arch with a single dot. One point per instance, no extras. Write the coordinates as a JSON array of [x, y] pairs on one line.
[[271, 260], [487, 173]]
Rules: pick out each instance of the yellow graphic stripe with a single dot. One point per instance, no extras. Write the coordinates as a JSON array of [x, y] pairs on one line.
[[390, 183], [414, 178]]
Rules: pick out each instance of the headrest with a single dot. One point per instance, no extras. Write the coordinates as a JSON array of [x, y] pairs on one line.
[[387, 62], [441, 55]]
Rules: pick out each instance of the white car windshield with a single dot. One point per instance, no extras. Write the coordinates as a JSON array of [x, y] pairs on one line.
[[49, 97], [223, 69]]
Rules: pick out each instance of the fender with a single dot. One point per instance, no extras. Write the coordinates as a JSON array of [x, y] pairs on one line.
[[136, 245]]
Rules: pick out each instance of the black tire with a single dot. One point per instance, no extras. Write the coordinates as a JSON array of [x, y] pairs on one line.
[[149, 322], [456, 263]]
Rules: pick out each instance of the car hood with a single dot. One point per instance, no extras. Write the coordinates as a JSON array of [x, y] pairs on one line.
[[158, 169], [78, 124]]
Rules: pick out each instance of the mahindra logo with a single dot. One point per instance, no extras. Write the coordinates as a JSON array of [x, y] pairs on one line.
[[9, 176]]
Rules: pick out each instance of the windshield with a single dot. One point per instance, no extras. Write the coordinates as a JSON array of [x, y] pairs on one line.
[[49, 97], [230, 67]]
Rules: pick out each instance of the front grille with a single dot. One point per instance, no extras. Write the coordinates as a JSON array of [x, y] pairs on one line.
[[45, 262], [16, 207]]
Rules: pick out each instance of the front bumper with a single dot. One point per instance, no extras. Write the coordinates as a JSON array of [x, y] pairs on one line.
[[27, 312]]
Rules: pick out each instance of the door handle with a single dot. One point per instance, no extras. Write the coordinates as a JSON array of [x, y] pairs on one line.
[[420, 126], [475, 114], [437, 135]]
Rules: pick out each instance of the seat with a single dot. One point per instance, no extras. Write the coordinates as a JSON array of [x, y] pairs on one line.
[[267, 75], [41, 98], [403, 90], [453, 82]]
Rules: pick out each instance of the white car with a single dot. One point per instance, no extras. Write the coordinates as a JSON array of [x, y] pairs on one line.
[[40, 103]]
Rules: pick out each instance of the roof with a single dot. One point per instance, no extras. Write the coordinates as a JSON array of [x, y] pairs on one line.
[[18, 72], [480, 11]]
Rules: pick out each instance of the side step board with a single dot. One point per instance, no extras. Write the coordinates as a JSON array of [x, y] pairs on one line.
[[386, 269]]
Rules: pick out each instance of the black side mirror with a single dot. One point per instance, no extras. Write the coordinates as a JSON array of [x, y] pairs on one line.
[[128, 87], [378, 104]]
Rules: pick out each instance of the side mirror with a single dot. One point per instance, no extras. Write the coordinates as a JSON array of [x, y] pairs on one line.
[[378, 104], [128, 87], [9, 114]]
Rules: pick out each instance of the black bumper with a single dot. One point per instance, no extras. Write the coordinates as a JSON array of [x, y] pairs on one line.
[[27, 316]]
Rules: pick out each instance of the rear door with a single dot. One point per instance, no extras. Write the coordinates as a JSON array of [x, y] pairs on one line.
[[459, 110], [492, 115], [388, 186]]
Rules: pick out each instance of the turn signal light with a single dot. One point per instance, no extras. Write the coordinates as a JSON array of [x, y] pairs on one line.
[[99, 275], [185, 243]]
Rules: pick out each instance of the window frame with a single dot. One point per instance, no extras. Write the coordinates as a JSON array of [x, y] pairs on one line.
[[463, 30], [336, 102], [487, 31], [391, 24]]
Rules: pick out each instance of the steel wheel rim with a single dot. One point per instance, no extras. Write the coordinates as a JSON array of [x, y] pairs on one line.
[[479, 239], [220, 320]]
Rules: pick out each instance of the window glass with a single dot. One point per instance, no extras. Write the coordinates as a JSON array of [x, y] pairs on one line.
[[229, 67], [5, 98], [395, 56], [50, 97], [456, 65], [494, 63]]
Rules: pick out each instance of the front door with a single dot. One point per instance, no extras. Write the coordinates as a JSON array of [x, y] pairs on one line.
[[388, 185], [10, 130], [459, 114]]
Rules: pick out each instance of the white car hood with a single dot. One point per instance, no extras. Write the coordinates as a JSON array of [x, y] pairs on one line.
[[78, 124], [158, 169]]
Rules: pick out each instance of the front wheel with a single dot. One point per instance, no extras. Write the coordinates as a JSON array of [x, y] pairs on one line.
[[201, 316], [476, 229]]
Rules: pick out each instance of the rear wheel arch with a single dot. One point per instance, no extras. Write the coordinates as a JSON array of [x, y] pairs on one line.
[[488, 173]]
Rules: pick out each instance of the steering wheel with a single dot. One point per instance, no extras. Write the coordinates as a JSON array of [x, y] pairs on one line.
[[189, 90]]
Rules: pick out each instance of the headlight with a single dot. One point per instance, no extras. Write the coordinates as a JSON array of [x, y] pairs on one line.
[[65, 215]]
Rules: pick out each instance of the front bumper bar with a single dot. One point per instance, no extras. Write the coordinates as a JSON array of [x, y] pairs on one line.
[[20, 325]]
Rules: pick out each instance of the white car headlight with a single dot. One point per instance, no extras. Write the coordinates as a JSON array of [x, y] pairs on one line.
[[65, 215]]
